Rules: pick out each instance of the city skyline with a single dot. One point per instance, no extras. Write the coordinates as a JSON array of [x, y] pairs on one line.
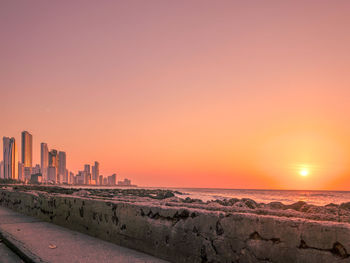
[[37, 149], [52, 168], [230, 95], [25, 156]]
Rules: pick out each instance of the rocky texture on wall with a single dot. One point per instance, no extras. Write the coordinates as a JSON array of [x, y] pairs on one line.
[[179, 230]]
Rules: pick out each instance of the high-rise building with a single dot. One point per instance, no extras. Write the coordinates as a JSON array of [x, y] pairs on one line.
[[10, 158], [27, 149], [87, 168], [126, 182], [96, 171], [6, 151], [21, 175], [62, 165], [71, 178], [112, 180], [54, 162], [87, 177], [87, 174], [2, 169], [13, 160], [27, 173], [105, 180], [80, 178], [44, 154], [51, 174], [93, 172], [66, 177], [53, 159]]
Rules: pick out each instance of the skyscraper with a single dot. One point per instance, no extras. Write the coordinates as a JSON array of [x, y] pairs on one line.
[[6, 150], [62, 165], [2, 169], [53, 159], [44, 160], [112, 179], [27, 149], [10, 158], [13, 159], [66, 177], [87, 174], [51, 174], [53, 163], [87, 168], [27, 173], [93, 172], [96, 171], [21, 175], [71, 178]]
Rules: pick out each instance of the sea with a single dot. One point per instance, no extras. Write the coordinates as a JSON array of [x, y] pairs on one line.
[[286, 197], [313, 197]]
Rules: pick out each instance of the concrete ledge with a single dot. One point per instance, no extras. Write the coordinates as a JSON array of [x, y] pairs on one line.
[[36, 241], [17, 247], [182, 234], [7, 255]]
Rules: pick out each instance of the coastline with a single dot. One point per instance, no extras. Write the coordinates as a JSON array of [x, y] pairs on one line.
[[185, 230]]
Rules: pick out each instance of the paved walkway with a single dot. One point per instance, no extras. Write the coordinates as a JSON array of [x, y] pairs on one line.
[[44, 242], [7, 255]]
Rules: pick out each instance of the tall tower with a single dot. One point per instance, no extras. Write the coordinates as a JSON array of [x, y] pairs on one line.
[[14, 159], [27, 149], [21, 174], [6, 147], [53, 158], [87, 168], [87, 174], [2, 169], [10, 158], [53, 163], [62, 165], [97, 171], [44, 153]]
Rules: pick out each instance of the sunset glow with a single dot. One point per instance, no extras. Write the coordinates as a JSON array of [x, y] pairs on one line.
[[304, 172], [183, 93]]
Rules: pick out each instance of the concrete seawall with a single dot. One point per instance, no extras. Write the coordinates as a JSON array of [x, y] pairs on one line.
[[182, 234]]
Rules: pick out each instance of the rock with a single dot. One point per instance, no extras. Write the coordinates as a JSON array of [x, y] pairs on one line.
[[296, 206], [345, 206], [250, 203], [276, 205], [331, 205], [225, 202], [81, 193]]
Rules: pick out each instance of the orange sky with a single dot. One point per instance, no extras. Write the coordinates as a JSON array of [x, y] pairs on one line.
[[230, 94]]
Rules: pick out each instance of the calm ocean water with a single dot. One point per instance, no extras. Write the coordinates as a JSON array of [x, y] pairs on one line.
[[266, 196]]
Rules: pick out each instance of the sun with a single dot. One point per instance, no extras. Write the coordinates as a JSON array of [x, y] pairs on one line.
[[304, 172]]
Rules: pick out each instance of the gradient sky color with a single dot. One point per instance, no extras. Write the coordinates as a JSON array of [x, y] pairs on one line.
[[230, 94]]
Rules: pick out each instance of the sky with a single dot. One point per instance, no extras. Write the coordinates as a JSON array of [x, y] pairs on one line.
[[224, 94]]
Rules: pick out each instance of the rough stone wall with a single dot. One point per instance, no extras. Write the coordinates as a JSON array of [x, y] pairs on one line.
[[190, 235]]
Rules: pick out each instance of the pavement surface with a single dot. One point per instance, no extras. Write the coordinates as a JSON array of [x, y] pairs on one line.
[[7, 255], [38, 241]]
